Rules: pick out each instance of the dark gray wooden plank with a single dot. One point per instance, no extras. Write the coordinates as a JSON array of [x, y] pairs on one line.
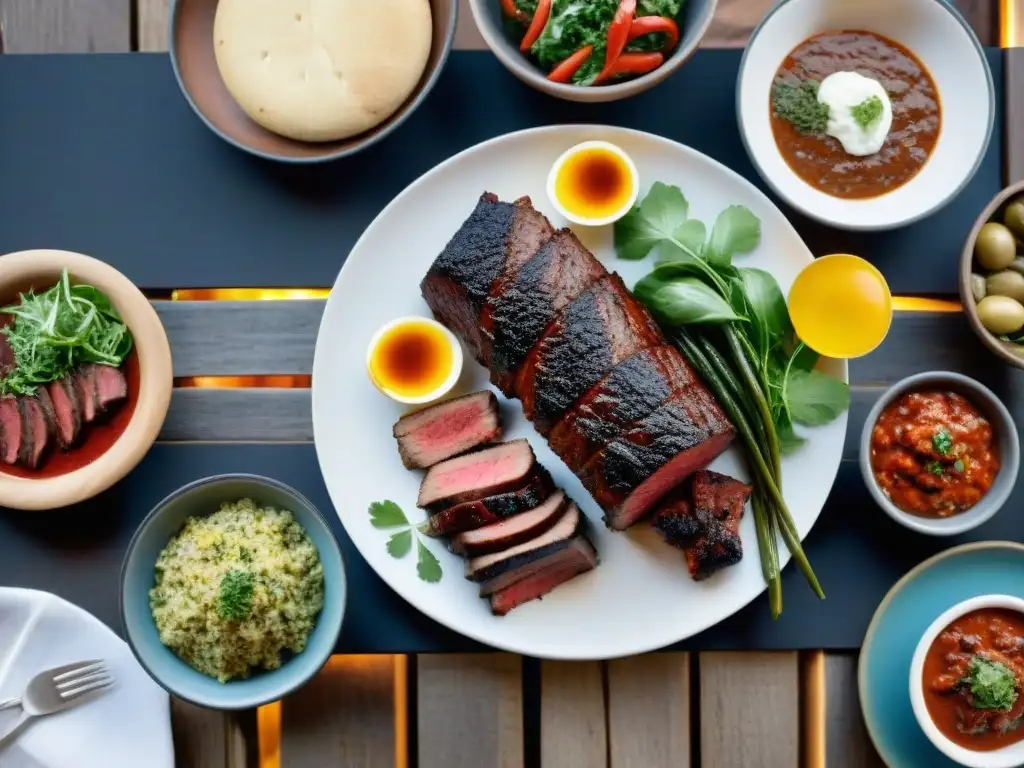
[[246, 415], [1014, 95], [238, 338], [66, 26], [206, 738], [847, 744], [983, 16]]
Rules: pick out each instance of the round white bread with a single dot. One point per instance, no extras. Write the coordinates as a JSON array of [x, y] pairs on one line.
[[321, 70]]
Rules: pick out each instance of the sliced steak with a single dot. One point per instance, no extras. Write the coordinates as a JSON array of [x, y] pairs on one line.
[[477, 475], [12, 430], [637, 469], [554, 570], [43, 396], [630, 392], [447, 429], [595, 332], [459, 281], [470, 515], [67, 411], [37, 430], [111, 387], [85, 387], [524, 304], [511, 531], [499, 569]]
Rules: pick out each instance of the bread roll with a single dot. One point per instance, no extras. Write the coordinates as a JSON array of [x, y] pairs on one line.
[[321, 70]]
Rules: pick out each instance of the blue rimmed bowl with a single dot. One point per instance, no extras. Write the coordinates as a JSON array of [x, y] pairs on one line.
[[203, 497]]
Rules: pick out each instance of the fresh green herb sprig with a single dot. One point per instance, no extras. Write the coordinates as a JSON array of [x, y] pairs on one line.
[[992, 684], [235, 599], [798, 104], [942, 441], [387, 514], [867, 112], [54, 332]]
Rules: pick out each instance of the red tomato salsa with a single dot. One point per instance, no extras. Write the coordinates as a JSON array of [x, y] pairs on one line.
[[972, 679], [933, 453]]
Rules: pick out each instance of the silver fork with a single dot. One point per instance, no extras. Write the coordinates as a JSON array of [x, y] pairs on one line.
[[58, 689]]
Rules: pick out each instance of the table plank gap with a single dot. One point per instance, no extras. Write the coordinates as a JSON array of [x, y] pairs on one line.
[[470, 711], [847, 744], [345, 716], [649, 711], [573, 731], [757, 696], [66, 26]]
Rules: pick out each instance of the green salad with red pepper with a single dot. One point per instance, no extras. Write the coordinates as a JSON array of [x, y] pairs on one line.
[[594, 42]]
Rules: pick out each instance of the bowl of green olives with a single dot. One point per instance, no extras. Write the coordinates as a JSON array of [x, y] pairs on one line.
[[992, 275]]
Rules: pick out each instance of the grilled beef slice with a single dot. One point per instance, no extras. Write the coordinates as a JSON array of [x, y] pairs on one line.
[[477, 475], [511, 531], [597, 330], [522, 305], [12, 430], [630, 392], [637, 469], [447, 429], [111, 387], [85, 388], [470, 515], [66, 410], [37, 430], [557, 568], [460, 279]]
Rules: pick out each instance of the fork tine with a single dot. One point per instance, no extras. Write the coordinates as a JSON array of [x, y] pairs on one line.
[[98, 685], [86, 668], [98, 674]]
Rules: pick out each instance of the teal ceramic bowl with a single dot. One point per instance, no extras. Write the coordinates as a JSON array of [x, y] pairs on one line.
[[204, 497]]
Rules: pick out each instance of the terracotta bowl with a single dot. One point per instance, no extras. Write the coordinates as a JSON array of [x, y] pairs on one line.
[[39, 270], [1005, 350], [195, 66]]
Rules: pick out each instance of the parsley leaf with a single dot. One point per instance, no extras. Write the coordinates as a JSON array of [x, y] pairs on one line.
[[935, 467], [235, 599], [427, 566], [400, 543], [867, 112], [942, 441], [386, 514], [993, 685]]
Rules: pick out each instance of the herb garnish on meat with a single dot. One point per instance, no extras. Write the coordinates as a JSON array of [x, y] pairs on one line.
[[993, 685], [942, 441]]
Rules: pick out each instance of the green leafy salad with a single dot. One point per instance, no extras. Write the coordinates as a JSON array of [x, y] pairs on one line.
[[733, 324], [591, 42], [53, 332]]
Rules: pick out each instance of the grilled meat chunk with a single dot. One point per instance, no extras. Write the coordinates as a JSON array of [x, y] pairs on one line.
[[67, 411], [460, 279], [556, 568], [637, 469], [477, 475], [596, 331], [85, 387], [447, 429], [37, 430], [524, 304], [511, 531], [630, 392], [111, 387], [12, 430], [470, 515]]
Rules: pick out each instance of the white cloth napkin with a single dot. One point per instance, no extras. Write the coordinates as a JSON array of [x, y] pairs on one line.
[[128, 727]]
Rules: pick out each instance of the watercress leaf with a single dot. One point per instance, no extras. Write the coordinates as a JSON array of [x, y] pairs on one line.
[[692, 233], [736, 230], [655, 220], [814, 398], [400, 543], [683, 301], [386, 514], [427, 566], [767, 302]]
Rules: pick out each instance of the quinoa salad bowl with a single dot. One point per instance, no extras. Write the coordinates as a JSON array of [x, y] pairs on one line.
[[233, 592]]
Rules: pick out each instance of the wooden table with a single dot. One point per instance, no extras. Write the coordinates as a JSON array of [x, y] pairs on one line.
[[666, 710]]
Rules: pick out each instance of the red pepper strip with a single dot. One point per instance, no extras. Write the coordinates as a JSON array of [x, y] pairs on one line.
[[508, 7], [631, 64], [537, 24], [563, 72], [645, 25], [618, 31]]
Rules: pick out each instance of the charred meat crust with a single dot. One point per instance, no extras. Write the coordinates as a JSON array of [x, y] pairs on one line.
[[576, 559], [511, 531], [479, 474], [470, 515]]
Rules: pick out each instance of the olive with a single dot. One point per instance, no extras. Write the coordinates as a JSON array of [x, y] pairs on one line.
[[1001, 315], [978, 287], [1017, 265], [995, 247], [1013, 217], [1006, 283]]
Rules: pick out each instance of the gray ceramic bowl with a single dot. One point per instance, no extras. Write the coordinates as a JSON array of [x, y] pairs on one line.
[[1003, 427], [696, 18], [202, 498], [195, 67]]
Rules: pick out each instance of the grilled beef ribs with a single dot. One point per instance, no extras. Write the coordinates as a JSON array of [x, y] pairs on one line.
[[447, 429], [477, 475], [558, 567], [703, 519], [459, 281], [470, 515], [66, 410], [511, 531], [637, 469], [630, 392], [524, 304], [111, 387], [12, 430], [596, 331]]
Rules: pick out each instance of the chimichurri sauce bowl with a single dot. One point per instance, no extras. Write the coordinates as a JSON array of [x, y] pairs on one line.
[[870, 143]]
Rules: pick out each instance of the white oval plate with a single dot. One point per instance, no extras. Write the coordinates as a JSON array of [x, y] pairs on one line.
[[640, 597], [129, 726]]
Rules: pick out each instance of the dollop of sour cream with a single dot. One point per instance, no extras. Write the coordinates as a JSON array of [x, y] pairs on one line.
[[841, 92]]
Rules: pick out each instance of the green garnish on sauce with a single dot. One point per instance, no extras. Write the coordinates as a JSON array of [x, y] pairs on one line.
[[799, 105], [993, 685], [942, 441], [868, 111], [935, 467], [235, 599], [958, 465]]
